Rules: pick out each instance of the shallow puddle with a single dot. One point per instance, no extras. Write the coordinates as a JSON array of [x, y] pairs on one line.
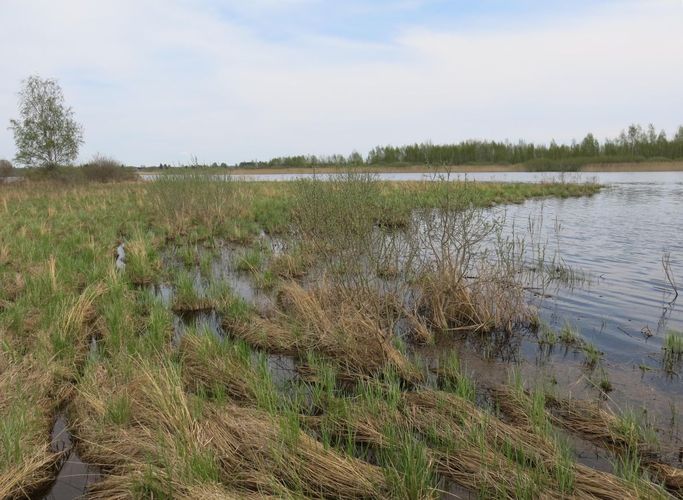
[[200, 321], [282, 369], [74, 476]]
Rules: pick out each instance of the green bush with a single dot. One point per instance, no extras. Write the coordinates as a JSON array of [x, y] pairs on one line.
[[105, 169]]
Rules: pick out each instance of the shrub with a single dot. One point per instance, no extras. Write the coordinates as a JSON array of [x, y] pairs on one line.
[[6, 168], [106, 169]]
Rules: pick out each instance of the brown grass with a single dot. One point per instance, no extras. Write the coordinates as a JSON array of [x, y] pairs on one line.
[[28, 384], [601, 426], [33, 473], [340, 329], [592, 422], [303, 462], [451, 302], [467, 446], [207, 368], [251, 451]]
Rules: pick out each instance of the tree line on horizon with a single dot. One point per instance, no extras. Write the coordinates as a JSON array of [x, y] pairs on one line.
[[636, 143], [47, 135]]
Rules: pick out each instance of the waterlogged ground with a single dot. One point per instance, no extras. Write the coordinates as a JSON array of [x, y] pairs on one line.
[[180, 281]]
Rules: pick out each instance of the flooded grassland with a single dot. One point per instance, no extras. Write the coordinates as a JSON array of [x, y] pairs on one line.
[[351, 338]]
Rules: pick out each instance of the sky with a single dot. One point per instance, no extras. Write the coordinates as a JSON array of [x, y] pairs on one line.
[[161, 81]]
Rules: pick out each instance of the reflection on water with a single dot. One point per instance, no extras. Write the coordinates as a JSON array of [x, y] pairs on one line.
[[600, 177], [74, 476]]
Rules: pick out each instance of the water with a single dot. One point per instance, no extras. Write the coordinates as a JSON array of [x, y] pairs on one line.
[[617, 238], [120, 257], [74, 475], [600, 177]]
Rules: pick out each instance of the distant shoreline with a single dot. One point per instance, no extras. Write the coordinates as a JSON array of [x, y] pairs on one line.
[[646, 166]]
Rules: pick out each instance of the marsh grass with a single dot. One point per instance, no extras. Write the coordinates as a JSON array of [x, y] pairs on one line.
[[225, 370], [569, 336], [673, 351], [592, 355], [339, 327], [453, 377], [206, 416], [189, 293], [142, 260], [178, 443]]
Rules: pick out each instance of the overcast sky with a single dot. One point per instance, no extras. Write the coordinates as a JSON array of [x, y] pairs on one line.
[[233, 80]]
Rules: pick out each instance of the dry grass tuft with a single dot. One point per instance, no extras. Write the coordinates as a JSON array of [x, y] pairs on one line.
[[210, 365], [477, 450], [602, 427], [31, 474], [27, 403], [335, 326], [179, 445], [596, 424], [300, 462], [451, 302]]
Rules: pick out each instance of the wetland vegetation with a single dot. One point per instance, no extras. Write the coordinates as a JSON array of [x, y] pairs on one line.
[[203, 339]]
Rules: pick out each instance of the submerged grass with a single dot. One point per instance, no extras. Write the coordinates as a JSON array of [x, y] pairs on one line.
[[673, 351]]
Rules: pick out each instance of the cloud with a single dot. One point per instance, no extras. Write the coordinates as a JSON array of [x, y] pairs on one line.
[[152, 80]]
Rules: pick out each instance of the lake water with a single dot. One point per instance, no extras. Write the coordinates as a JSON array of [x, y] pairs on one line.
[[616, 239], [601, 177]]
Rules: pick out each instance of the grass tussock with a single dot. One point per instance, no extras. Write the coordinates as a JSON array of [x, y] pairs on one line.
[[634, 444], [224, 370], [473, 448], [673, 351], [27, 403], [174, 444], [322, 321], [450, 302]]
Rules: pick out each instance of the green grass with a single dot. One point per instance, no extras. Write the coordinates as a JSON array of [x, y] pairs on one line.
[[119, 410], [569, 336], [455, 380], [673, 351], [592, 355], [547, 335]]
